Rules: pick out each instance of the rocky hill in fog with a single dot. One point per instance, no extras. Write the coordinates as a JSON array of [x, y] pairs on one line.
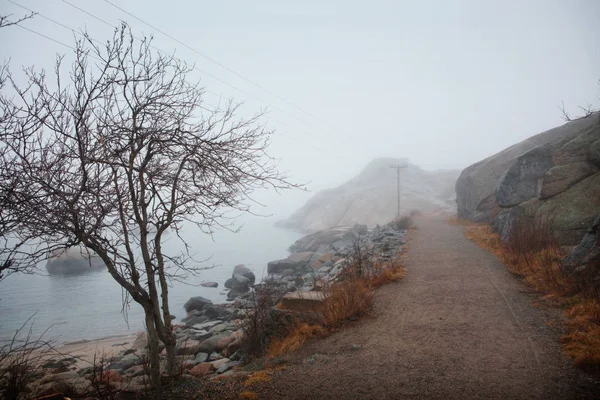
[[371, 197]]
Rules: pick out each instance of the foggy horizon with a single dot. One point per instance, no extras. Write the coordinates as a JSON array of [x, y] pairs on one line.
[[442, 85]]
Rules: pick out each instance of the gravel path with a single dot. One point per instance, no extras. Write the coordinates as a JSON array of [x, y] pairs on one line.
[[459, 326]]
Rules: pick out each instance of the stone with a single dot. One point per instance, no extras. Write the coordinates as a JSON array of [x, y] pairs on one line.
[[240, 283], [210, 284], [219, 363], [201, 357], [188, 347], [202, 369], [562, 177], [209, 345], [224, 343], [296, 262], [228, 283], [196, 303], [227, 366], [584, 260], [140, 342], [136, 370], [196, 320], [206, 325], [522, 181], [301, 301], [245, 272], [125, 362]]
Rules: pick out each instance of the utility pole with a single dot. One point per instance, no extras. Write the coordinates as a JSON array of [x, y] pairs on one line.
[[398, 167]]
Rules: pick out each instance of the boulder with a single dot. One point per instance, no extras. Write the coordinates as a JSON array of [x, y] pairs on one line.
[[126, 362], [74, 261], [301, 301], [201, 357], [553, 178], [210, 284], [188, 347], [476, 185], [196, 303], [228, 283], [227, 366], [219, 363], [209, 345], [245, 272], [296, 262], [211, 312], [202, 369]]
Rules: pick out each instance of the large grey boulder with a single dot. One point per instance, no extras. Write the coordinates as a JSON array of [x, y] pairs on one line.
[[477, 184], [74, 261], [245, 272], [552, 177], [196, 303], [296, 262]]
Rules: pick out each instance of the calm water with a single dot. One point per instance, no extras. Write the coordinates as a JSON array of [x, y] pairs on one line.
[[89, 306]]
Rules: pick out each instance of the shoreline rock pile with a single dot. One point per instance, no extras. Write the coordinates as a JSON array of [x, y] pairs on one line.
[[209, 338]]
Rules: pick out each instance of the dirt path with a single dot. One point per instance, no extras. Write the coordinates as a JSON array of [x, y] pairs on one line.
[[459, 326]]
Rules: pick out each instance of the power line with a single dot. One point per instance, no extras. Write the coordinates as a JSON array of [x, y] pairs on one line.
[[212, 60], [215, 108], [194, 67]]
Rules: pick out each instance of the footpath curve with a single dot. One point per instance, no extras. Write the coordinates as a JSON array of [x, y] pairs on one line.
[[458, 326]]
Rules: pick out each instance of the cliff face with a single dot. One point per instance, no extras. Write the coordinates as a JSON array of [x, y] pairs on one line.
[[553, 177], [371, 197]]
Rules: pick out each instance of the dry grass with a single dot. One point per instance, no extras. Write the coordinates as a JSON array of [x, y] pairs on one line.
[[249, 395], [348, 299], [533, 254], [258, 378], [386, 272], [295, 339], [455, 220]]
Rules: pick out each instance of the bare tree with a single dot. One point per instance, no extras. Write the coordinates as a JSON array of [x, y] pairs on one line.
[[119, 154], [5, 20]]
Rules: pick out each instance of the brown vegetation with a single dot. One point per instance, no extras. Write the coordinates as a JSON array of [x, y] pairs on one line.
[[403, 223], [345, 300], [533, 254]]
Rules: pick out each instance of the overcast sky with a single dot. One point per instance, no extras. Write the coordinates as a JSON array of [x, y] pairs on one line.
[[443, 83]]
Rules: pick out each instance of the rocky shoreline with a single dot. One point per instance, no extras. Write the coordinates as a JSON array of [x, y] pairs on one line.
[[210, 337]]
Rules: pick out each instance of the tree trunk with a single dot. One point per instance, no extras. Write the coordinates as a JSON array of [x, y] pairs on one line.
[[153, 348], [170, 343]]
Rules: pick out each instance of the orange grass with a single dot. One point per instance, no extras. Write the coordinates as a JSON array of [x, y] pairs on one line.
[[295, 339], [536, 259], [349, 298]]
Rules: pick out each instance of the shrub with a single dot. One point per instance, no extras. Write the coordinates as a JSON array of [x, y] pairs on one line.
[[415, 213], [350, 298], [21, 360], [258, 318], [403, 223], [360, 260]]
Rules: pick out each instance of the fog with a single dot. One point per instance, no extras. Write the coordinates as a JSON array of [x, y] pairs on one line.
[[443, 84]]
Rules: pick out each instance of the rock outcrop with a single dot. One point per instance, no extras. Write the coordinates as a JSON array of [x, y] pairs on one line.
[[541, 168], [371, 197], [553, 177]]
